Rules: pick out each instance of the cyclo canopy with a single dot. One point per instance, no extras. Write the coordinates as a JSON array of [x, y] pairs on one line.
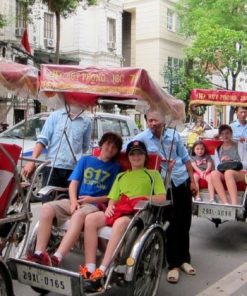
[[74, 84], [217, 97]]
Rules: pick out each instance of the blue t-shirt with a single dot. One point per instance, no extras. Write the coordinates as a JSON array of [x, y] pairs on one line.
[[94, 175]]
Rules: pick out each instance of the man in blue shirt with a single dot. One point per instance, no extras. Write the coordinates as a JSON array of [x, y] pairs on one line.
[[59, 146], [90, 183], [239, 127], [167, 142]]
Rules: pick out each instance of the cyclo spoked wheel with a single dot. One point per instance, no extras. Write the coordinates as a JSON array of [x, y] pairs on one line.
[[5, 282], [148, 268]]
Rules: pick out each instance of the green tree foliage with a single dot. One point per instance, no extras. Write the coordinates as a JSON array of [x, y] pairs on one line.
[[218, 30], [220, 49], [194, 14], [181, 80], [63, 8]]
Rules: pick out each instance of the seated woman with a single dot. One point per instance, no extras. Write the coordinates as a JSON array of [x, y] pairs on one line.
[[134, 183], [228, 151]]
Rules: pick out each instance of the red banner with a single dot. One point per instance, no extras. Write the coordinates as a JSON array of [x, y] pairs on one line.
[[87, 85], [218, 97]]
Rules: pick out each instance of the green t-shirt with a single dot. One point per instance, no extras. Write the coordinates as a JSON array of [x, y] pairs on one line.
[[137, 183]]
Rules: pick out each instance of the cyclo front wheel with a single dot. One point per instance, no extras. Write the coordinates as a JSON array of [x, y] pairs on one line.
[[6, 288], [149, 265]]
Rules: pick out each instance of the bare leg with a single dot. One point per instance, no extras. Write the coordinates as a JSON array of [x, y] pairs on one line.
[[197, 178], [231, 179], [45, 224], [93, 222], [118, 230], [217, 179], [73, 232], [210, 186]]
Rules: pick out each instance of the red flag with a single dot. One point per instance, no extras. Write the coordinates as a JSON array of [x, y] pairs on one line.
[[25, 42]]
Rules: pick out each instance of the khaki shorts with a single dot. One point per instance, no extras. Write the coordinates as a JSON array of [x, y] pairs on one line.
[[62, 210]]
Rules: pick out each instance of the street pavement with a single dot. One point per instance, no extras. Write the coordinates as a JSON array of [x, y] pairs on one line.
[[218, 255]]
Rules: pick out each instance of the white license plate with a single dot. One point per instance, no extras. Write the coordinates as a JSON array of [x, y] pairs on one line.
[[214, 211], [43, 279]]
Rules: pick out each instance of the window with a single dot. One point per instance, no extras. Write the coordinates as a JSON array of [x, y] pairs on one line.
[[173, 22], [172, 74], [21, 15], [48, 26], [174, 63], [115, 125], [170, 16], [111, 27], [27, 130]]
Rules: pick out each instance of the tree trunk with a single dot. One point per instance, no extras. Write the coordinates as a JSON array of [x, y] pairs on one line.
[[58, 37], [232, 109]]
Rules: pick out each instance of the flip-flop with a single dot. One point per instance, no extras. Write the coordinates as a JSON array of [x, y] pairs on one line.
[[188, 269], [173, 276]]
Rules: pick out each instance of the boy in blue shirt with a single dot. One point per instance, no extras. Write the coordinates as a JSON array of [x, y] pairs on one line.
[[90, 183]]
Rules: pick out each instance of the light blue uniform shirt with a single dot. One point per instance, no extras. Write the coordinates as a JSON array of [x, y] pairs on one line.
[[78, 132], [178, 152], [239, 130]]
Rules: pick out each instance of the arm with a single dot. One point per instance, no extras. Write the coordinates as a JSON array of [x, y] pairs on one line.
[[73, 186], [29, 166], [209, 166], [91, 199], [191, 175], [110, 209], [196, 168]]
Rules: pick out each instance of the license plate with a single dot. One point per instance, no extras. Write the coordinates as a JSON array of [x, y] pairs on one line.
[[214, 211], [43, 279]]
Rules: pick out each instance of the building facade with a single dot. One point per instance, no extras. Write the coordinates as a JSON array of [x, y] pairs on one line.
[[151, 38], [136, 33]]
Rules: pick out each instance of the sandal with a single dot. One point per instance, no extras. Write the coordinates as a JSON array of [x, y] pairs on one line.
[[173, 276], [188, 269]]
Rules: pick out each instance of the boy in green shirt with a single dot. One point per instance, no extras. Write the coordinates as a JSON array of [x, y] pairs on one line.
[[137, 182]]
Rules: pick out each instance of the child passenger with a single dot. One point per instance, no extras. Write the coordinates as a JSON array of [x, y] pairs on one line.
[[202, 164], [134, 183], [91, 181]]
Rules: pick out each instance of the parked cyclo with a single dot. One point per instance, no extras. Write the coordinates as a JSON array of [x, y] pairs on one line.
[[215, 210], [139, 257], [15, 213]]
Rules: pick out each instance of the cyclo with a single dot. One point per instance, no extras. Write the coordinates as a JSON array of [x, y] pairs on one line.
[[138, 260], [217, 212], [15, 213]]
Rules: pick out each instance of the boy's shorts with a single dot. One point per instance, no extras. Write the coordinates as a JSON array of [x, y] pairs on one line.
[[62, 210]]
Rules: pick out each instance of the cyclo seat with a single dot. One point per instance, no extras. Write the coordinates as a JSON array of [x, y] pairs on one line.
[[7, 169]]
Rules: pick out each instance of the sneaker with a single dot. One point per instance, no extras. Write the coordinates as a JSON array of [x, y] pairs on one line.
[[43, 258], [198, 198], [97, 274], [95, 283], [55, 261], [83, 270], [212, 200]]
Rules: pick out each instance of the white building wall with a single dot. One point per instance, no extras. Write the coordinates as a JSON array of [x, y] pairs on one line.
[[153, 42], [85, 35]]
